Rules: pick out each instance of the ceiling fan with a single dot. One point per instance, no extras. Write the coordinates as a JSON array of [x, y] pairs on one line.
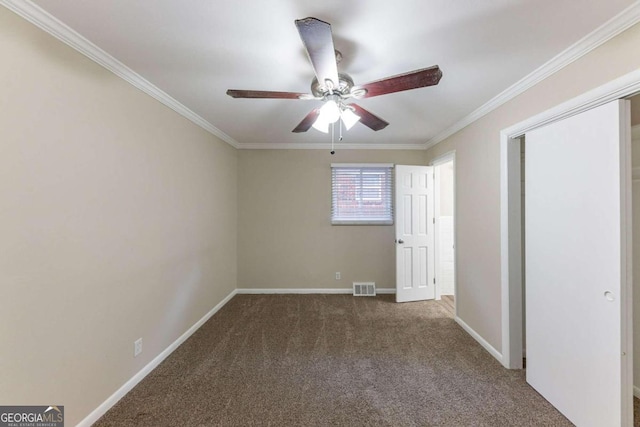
[[335, 88]]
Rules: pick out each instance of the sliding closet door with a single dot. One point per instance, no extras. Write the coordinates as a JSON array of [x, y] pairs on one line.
[[578, 297]]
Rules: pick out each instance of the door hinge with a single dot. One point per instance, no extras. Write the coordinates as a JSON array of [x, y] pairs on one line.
[[434, 280], [434, 219]]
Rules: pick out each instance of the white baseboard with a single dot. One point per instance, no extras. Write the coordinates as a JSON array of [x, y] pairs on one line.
[[495, 353], [636, 391], [119, 394], [386, 291], [256, 291]]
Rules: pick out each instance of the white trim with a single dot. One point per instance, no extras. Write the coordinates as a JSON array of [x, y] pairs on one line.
[[292, 291], [50, 24], [619, 88], [449, 156], [47, 22], [476, 336], [323, 146], [386, 291], [339, 222], [362, 165], [626, 263], [511, 243], [126, 387], [635, 138], [444, 158], [436, 231], [616, 25]]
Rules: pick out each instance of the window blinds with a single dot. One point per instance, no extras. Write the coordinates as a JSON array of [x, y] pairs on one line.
[[362, 193]]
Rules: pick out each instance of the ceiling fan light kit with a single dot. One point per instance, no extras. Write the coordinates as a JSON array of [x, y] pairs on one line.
[[335, 88], [349, 118], [332, 111]]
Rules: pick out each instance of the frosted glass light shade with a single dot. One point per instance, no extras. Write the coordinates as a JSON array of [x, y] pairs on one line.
[[330, 112], [349, 118], [321, 124]]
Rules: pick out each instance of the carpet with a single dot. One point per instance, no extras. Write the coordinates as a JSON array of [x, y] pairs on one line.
[[332, 360]]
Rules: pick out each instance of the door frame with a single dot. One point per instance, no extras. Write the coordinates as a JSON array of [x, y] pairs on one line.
[[449, 156], [510, 208]]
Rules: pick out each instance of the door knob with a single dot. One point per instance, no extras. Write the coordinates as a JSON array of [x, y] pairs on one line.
[[401, 241]]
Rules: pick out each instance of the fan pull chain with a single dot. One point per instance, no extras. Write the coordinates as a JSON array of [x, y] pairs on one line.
[[332, 134]]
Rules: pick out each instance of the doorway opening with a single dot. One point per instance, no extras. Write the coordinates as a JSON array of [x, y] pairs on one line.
[[444, 230]]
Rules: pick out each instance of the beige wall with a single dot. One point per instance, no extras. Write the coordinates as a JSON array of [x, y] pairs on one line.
[[286, 239], [119, 218], [478, 176], [118, 221]]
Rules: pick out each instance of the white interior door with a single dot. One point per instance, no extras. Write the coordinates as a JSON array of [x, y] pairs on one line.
[[577, 224], [414, 233]]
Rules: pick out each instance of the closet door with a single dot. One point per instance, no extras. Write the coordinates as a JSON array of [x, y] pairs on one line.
[[578, 291]]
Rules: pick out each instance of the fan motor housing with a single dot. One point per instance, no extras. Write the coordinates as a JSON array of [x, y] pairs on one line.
[[345, 84]]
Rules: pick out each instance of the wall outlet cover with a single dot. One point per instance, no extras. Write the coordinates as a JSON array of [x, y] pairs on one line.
[[137, 347]]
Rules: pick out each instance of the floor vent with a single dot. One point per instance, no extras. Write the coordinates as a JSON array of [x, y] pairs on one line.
[[364, 289]]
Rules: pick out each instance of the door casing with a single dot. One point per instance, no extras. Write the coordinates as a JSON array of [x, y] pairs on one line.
[[445, 158], [510, 198]]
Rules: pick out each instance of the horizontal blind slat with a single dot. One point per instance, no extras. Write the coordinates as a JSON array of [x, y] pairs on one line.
[[362, 194]]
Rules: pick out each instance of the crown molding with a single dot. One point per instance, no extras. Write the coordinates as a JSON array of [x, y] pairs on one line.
[[323, 146], [616, 25], [50, 24]]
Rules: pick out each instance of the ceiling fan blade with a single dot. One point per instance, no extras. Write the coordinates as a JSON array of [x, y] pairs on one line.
[[236, 93], [318, 41], [307, 122], [369, 119], [411, 80]]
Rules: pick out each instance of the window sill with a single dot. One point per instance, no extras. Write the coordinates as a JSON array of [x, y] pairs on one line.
[[363, 222]]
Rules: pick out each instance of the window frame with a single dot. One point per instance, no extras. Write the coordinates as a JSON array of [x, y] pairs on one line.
[[386, 190]]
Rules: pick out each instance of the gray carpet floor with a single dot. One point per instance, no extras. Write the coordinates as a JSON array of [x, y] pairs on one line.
[[332, 360]]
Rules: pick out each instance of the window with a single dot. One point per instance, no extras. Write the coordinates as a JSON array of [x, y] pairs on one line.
[[361, 193]]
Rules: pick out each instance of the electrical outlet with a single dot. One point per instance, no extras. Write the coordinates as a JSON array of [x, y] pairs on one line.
[[137, 347], [337, 275]]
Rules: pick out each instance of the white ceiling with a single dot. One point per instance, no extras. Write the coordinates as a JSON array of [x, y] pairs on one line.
[[196, 50]]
